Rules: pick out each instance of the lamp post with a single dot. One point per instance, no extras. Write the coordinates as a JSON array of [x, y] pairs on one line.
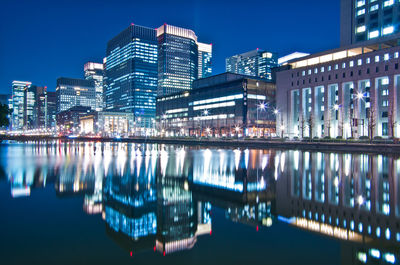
[[261, 107], [204, 113]]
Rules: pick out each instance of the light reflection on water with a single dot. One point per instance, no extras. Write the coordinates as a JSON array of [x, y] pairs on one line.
[[160, 198]]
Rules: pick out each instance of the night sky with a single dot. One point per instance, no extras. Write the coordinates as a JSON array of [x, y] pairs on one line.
[[43, 40]]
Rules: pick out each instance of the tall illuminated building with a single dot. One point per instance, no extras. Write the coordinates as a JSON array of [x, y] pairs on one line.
[[181, 59], [95, 71], [205, 60], [72, 92], [258, 63], [369, 21], [18, 92], [131, 74]]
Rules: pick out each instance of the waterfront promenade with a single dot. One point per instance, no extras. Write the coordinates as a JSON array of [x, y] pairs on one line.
[[377, 147]]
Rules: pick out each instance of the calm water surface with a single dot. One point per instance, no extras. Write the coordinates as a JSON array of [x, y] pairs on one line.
[[117, 203]]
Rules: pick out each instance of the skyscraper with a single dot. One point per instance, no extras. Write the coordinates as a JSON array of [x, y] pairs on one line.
[[204, 62], [34, 107], [369, 21], [181, 59], [51, 109], [73, 92], [17, 116], [95, 71], [131, 74], [256, 63]]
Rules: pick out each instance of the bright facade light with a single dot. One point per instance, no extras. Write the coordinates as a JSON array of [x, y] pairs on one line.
[[336, 106], [388, 30]]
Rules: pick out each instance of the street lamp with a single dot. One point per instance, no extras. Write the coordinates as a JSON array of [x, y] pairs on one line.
[[262, 106]]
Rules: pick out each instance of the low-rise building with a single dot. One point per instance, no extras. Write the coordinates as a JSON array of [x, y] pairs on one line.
[[222, 105], [107, 123], [68, 121], [346, 92]]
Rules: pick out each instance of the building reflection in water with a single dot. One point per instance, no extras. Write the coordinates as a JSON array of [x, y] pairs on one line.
[[156, 197]]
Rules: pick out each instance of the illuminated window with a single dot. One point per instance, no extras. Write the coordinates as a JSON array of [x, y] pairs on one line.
[[386, 57], [361, 12], [351, 63], [374, 8], [396, 55], [377, 58], [359, 62], [360, 3], [388, 30], [388, 3], [368, 60], [373, 34], [361, 29]]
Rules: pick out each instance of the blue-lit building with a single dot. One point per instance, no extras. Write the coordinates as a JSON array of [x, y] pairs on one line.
[[72, 92], [95, 72], [18, 93], [369, 21], [181, 59], [130, 83], [258, 63], [205, 60]]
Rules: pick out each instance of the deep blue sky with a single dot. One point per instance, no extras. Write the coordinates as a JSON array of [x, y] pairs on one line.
[[43, 40]]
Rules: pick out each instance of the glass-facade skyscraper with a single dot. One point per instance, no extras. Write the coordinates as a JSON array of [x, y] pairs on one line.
[[18, 111], [130, 83], [181, 59], [369, 21], [72, 92], [258, 63], [95, 71], [205, 60], [177, 59]]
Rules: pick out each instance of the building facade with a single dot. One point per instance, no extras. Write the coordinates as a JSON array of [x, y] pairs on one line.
[[257, 63], [18, 92], [131, 74], [51, 110], [205, 60], [369, 21], [222, 105], [107, 124], [72, 92], [181, 59], [345, 93], [95, 72], [68, 121]]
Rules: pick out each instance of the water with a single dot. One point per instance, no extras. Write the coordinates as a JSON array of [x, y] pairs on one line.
[[117, 203]]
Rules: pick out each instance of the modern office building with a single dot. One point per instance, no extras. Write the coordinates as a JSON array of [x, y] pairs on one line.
[[223, 105], [131, 74], [347, 92], [95, 71], [34, 107], [257, 63], [73, 92], [205, 60], [17, 116], [369, 21], [181, 59], [51, 110]]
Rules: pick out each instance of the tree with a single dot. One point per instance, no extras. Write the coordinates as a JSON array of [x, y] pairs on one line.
[[4, 112], [302, 125], [371, 123], [310, 122], [392, 121]]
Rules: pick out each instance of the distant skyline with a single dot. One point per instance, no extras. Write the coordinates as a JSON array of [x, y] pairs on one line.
[[43, 40]]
